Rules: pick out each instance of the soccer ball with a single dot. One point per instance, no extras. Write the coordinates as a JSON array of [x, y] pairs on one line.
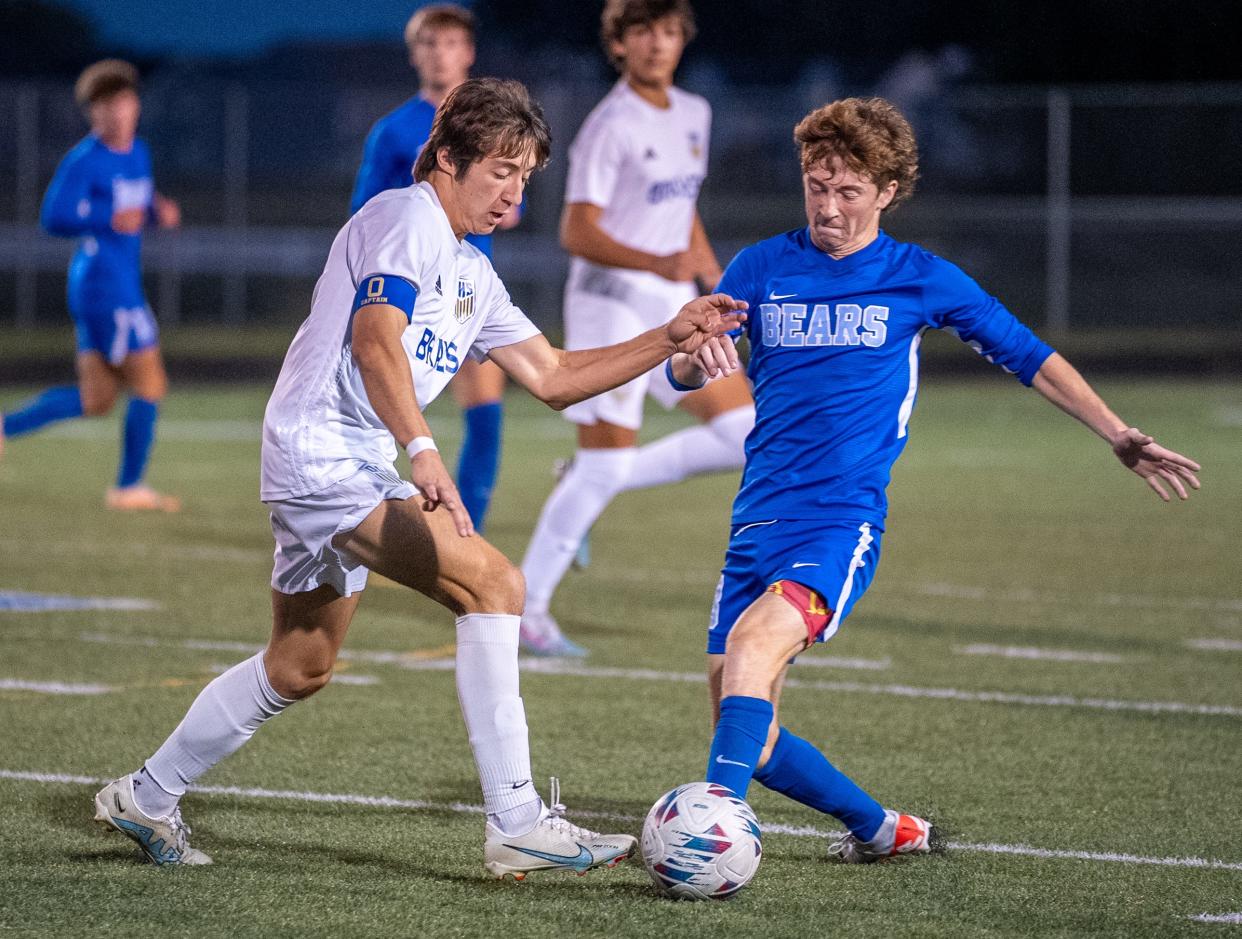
[[700, 842]]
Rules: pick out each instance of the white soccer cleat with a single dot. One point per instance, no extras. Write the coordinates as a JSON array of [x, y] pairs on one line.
[[898, 835], [554, 844], [163, 840], [540, 635]]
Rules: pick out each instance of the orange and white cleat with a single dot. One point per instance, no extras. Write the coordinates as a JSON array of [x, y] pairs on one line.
[[898, 835], [141, 498]]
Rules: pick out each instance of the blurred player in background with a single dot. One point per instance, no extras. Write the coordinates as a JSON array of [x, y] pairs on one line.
[[440, 39], [402, 301], [103, 194], [838, 312], [638, 247]]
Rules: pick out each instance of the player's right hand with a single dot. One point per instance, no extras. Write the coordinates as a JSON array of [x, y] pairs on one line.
[[128, 221], [1140, 454], [704, 318], [717, 358], [436, 486], [679, 267]]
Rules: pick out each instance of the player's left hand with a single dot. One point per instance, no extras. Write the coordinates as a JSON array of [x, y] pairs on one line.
[[1156, 464], [167, 212], [704, 318]]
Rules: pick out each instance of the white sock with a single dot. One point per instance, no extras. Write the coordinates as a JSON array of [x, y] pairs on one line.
[[709, 448], [487, 688], [576, 502], [224, 716]]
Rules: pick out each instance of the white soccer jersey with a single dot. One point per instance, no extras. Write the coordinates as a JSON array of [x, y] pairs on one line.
[[319, 424], [643, 165]]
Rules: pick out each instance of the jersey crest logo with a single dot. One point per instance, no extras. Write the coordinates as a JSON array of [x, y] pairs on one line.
[[465, 300]]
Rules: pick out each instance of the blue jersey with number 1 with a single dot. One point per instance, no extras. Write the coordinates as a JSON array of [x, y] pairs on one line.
[[388, 158], [834, 363]]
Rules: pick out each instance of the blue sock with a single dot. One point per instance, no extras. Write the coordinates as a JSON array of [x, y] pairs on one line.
[[798, 770], [55, 404], [480, 459], [136, 440], [741, 733]]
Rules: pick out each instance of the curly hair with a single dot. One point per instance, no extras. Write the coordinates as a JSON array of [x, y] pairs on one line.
[[869, 136], [620, 15], [103, 80], [485, 117]]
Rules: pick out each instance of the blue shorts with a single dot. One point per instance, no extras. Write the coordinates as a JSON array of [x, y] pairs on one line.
[[116, 333], [837, 561]]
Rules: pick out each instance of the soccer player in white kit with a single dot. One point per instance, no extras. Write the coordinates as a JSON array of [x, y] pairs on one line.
[[401, 302], [638, 247]]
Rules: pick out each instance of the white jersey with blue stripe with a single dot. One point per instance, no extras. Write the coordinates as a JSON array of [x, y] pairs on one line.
[[834, 362], [398, 249]]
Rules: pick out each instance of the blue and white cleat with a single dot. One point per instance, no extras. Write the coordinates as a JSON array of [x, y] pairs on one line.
[[540, 635], [163, 840], [554, 844]]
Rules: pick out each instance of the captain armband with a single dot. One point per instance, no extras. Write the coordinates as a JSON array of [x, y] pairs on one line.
[[386, 290]]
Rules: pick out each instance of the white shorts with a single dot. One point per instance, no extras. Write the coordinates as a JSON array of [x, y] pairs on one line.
[[304, 528], [604, 306]]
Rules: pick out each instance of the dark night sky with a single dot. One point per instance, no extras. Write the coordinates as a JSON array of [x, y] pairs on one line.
[[758, 40]]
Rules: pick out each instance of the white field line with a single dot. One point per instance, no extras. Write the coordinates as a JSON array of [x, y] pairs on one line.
[[1123, 600], [797, 831], [566, 667], [207, 431], [836, 661], [20, 601], [708, 575], [1030, 652], [1232, 918], [1215, 645], [52, 687]]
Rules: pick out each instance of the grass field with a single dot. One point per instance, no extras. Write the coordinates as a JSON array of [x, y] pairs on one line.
[[1048, 664]]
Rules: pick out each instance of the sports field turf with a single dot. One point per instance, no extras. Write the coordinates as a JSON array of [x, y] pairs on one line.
[[1048, 664]]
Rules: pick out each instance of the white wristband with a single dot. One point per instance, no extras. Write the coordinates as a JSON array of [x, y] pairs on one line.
[[418, 445]]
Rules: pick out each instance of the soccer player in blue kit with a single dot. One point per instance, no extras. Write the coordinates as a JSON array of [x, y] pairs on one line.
[[837, 312], [440, 39], [102, 194]]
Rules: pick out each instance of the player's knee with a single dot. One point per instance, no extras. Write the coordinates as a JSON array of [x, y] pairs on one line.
[[499, 587], [96, 403], [298, 677]]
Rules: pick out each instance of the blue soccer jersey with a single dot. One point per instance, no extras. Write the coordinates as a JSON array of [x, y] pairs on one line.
[[388, 158], [834, 363], [91, 184]]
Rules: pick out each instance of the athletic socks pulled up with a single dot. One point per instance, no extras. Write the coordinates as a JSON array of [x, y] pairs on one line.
[[55, 404], [223, 717], [487, 689], [577, 501], [738, 742], [798, 770], [713, 447], [136, 441], [480, 459]]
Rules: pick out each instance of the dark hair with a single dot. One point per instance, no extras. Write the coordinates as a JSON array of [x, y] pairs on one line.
[[620, 15], [439, 16], [103, 80], [869, 135], [485, 117]]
